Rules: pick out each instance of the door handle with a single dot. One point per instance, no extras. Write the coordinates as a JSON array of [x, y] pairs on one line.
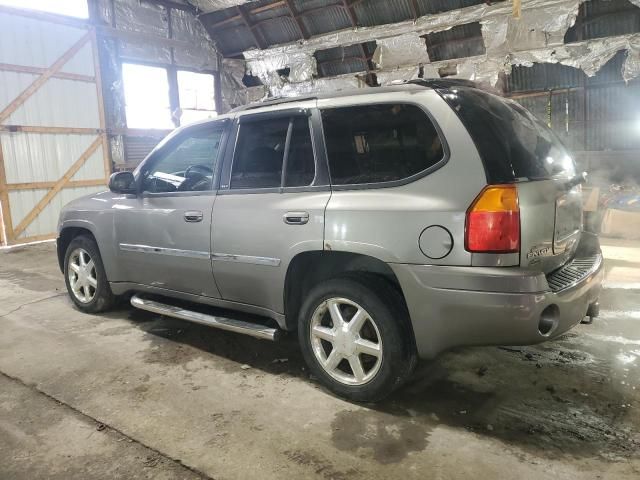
[[192, 216], [296, 218]]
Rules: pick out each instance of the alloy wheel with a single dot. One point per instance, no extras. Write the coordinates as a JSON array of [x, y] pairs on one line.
[[82, 275], [346, 341]]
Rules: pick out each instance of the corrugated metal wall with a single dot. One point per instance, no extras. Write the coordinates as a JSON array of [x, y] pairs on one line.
[[588, 113], [52, 136]]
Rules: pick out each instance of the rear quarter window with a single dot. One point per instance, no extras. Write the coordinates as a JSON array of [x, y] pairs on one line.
[[372, 144], [513, 144]]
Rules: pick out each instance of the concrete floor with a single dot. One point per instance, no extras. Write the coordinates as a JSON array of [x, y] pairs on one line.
[[133, 395]]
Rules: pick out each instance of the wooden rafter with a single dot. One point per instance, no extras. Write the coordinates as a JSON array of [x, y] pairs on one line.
[[247, 22], [42, 79], [353, 18], [296, 18], [57, 186]]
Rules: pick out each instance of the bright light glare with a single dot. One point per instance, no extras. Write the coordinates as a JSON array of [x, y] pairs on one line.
[[71, 8], [146, 92], [197, 96]]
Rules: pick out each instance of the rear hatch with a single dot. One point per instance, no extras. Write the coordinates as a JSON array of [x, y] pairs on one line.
[[515, 147]]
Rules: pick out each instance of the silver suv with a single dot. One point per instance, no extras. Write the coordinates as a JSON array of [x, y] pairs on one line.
[[383, 225]]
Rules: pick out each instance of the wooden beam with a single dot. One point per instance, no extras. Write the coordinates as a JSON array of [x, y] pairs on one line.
[[59, 185], [142, 37], [294, 13], [54, 130], [70, 184], [4, 202], [41, 80], [350, 13], [7, 67], [415, 11], [34, 238], [245, 19], [106, 152], [217, 25]]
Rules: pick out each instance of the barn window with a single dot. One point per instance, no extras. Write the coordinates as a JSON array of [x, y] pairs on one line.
[[146, 93]]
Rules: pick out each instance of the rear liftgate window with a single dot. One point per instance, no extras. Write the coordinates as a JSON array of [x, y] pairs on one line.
[[513, 144], [379, 143]]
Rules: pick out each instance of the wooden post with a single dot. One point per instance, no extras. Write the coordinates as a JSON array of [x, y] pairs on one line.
[[7, 227], [106, 151]]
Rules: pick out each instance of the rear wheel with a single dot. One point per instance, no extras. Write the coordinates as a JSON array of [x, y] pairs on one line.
[[85, 276], [355, 338]]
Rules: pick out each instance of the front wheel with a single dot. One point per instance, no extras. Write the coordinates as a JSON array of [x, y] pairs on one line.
[[355, 337], [85, 277]]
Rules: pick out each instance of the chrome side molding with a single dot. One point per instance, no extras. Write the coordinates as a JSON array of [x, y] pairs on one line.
[[226, 257], [128, 247], [223, 323]]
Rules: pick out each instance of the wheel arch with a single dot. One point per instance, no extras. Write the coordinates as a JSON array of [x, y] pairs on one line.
[[67, 233], [308, 268]]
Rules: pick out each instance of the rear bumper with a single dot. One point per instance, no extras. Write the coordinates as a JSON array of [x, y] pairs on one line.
[[455, 306]]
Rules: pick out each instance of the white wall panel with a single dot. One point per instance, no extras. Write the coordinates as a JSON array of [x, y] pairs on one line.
[[37, 43], [45, 157], [23, 200], [31, 157], [60, 103]]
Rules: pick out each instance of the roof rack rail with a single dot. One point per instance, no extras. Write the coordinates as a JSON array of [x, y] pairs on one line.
[[272, 101], [443, 82]]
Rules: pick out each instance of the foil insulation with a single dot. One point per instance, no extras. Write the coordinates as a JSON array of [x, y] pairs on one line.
[[401, 54]]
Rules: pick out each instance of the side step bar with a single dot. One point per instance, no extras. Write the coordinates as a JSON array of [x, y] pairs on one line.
[[230, 324]]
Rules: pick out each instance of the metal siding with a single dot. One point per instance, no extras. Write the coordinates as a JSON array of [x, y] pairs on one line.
[[602, 18], [46, 157], [36, 43], [22, 201], [234, 39], [457, 42], [280, 30], [380, 12], [340, 60], [327, 20], [430, 7], [137, 148], [58, 103]]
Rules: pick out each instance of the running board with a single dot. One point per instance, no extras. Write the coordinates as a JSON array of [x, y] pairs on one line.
[[252, 329]]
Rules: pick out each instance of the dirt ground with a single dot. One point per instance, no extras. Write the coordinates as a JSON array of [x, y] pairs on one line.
[[133, 395]]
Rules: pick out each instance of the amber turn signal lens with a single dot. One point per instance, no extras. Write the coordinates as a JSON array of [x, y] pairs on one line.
[[493, 221]]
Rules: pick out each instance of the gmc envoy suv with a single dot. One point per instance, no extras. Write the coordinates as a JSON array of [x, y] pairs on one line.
[[384, 225]]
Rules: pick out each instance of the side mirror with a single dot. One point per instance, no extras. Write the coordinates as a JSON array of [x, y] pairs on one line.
[[122, 182]]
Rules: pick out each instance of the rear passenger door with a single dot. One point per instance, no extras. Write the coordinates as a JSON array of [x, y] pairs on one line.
[[270, 206]]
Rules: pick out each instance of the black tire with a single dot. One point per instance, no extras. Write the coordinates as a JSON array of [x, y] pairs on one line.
[[387, 308], [103, 298]]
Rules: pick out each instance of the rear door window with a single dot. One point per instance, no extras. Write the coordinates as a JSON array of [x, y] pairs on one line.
[[265, 147], [513, 144], [381, 143]]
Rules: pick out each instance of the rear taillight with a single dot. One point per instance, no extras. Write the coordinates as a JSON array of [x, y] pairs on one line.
[[493, 221]]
